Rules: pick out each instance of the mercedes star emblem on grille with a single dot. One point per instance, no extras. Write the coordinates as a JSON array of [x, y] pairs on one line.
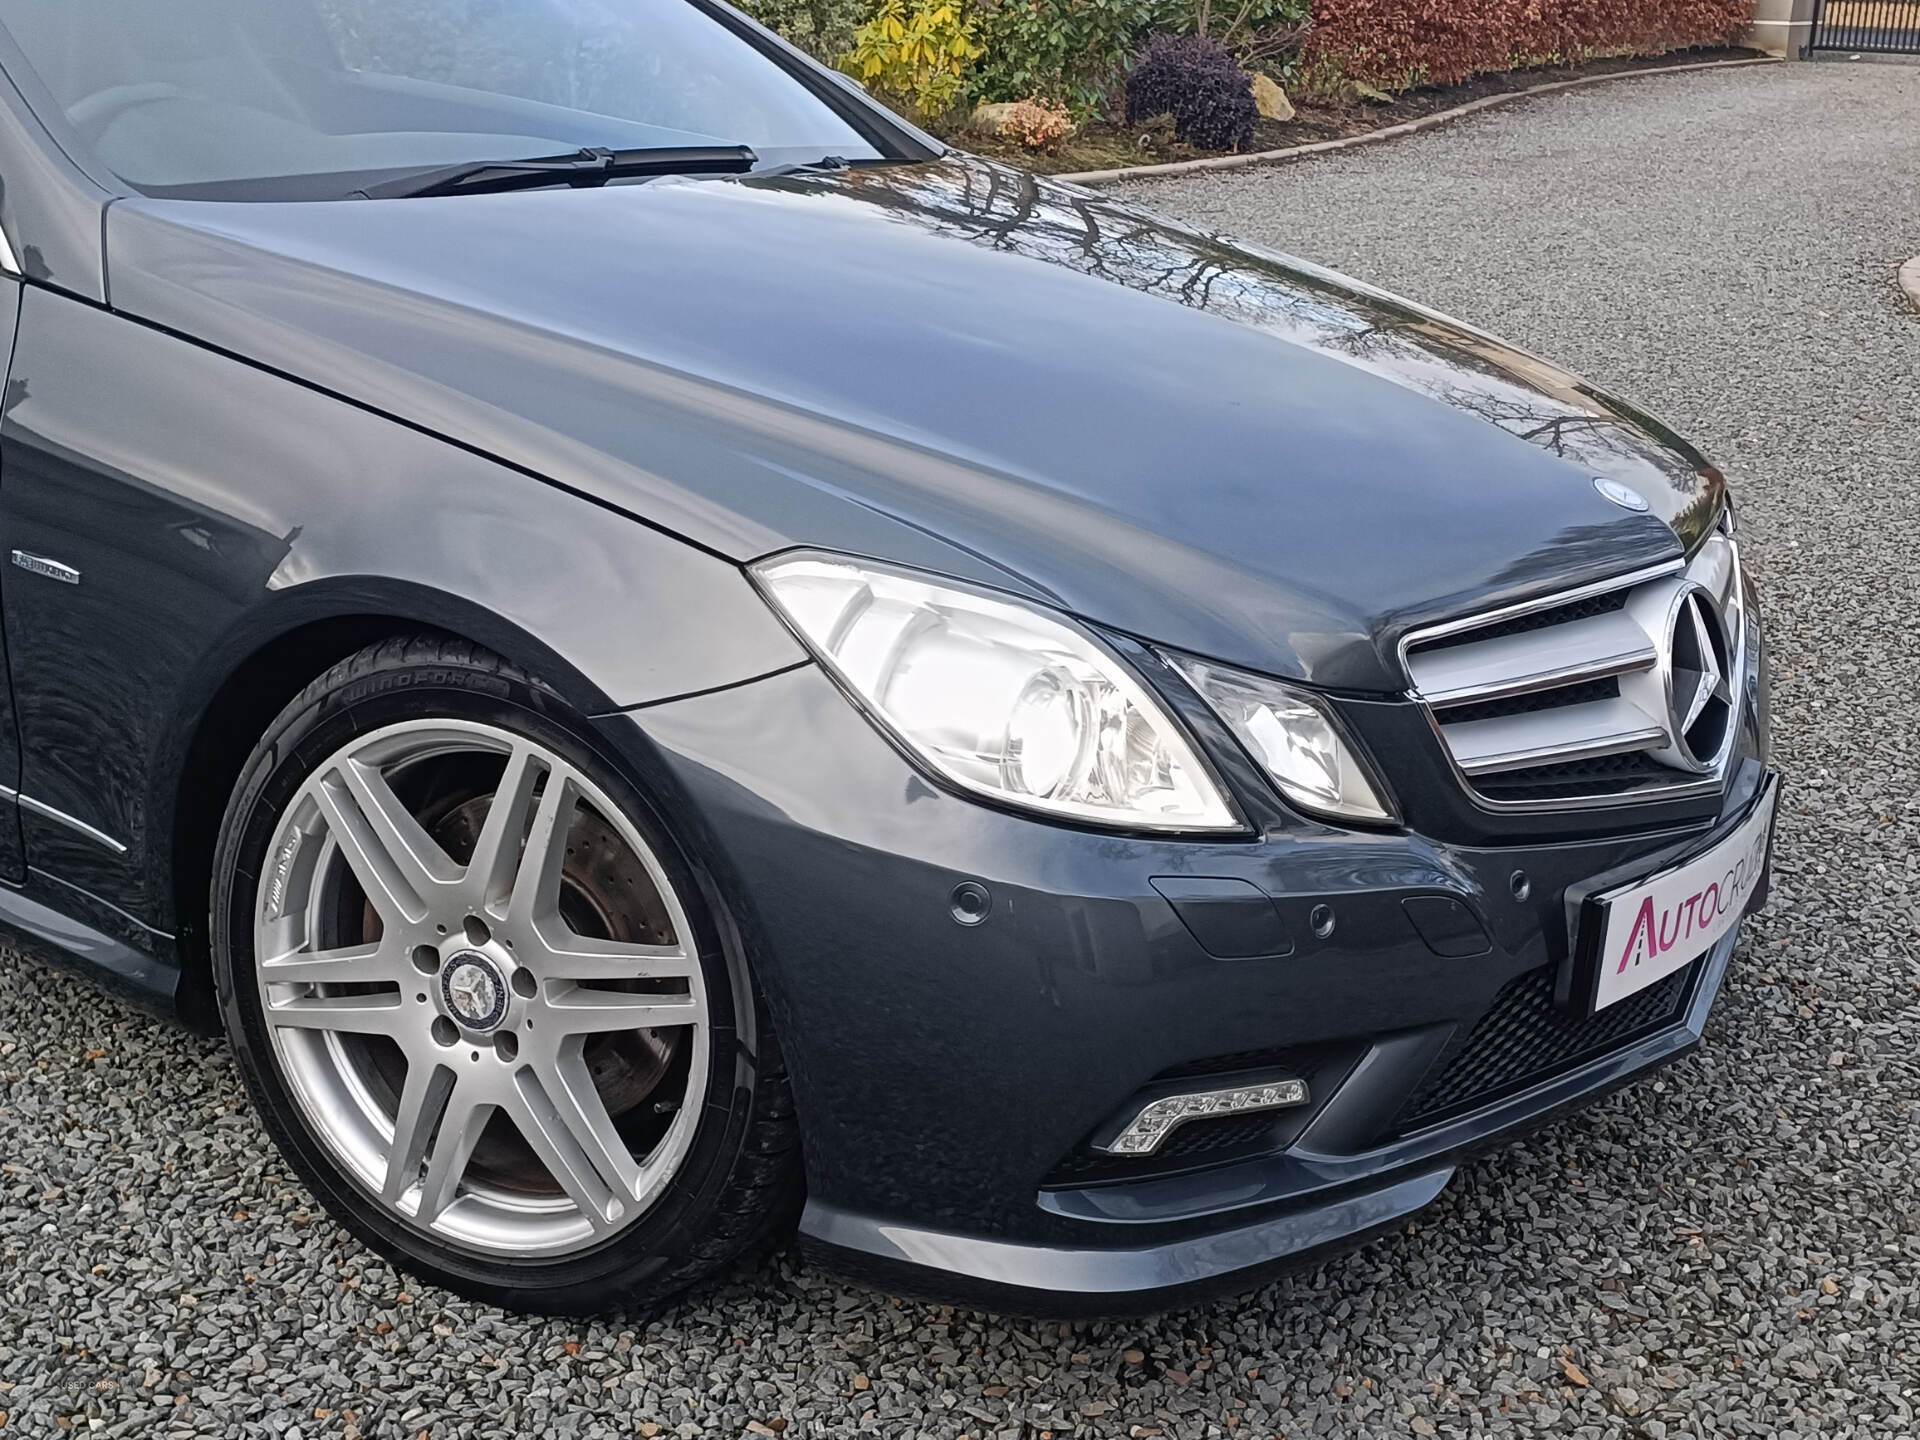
[[1701, 697]]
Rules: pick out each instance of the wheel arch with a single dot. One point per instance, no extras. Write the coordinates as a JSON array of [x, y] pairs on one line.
[[245, 683]]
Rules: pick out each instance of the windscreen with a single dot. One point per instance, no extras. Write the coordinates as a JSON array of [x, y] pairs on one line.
[[221, 98]]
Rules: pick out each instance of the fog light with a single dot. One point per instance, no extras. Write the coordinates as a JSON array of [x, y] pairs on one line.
[[1158, 1119]]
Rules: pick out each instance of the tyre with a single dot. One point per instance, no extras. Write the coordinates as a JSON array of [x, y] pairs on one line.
[[480, 998]]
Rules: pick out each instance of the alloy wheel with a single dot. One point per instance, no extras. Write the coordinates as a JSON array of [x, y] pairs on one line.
[[481, 988]]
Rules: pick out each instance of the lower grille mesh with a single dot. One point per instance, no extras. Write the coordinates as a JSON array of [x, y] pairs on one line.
[[1604, 775], [1525, 1038]]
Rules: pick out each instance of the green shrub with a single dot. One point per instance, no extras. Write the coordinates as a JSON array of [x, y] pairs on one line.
[[823, 28], [1254, 30], [1070, 50], [1078, 50]]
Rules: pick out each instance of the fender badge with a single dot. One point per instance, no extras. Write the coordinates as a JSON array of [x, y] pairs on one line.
[[41, 565]]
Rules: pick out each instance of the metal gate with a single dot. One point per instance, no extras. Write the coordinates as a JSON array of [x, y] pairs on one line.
[[1885, 26]]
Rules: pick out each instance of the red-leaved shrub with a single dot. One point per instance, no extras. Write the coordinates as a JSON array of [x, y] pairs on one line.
[[1394, 44]]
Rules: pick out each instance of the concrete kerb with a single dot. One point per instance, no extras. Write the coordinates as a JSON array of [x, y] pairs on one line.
[[1390, 132]]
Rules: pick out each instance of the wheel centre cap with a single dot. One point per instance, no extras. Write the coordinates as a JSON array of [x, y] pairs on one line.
[[474, 990]]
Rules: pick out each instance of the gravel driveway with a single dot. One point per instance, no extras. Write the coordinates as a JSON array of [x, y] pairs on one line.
[[1731, 1250]]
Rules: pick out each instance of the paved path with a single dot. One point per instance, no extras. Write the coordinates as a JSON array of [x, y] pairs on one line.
[[1730, 1251]]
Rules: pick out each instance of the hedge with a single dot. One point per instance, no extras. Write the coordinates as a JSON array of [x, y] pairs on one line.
[[1394, 44]]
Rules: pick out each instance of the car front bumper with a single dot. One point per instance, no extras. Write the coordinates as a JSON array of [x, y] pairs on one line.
[[951, 1072], [1307, 1205]]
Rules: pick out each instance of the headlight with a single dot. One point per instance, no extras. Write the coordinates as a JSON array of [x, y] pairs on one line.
[[1298, 743], [997, 696]]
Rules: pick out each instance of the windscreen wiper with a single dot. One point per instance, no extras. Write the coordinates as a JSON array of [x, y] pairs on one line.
[[825, 165], [583, 167]]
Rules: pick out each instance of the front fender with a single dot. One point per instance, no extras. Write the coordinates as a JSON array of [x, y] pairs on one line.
[[212, 507]]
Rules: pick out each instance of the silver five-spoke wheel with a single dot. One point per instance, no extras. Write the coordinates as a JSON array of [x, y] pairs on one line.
[[481, 989]]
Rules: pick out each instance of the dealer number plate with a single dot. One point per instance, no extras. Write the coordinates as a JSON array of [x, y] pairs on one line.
[[1659, 925]]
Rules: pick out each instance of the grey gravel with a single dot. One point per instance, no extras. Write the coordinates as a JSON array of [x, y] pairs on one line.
[[1732, 1250]]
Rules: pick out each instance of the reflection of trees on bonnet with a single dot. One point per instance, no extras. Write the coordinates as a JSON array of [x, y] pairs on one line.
[[1016, 212]]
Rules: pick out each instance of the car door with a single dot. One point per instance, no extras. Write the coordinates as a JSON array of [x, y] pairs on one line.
[[50, 250], [13, 864]]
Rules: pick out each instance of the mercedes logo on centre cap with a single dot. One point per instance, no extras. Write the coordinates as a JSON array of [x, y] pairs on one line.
[[474, 991], [1702, 692]]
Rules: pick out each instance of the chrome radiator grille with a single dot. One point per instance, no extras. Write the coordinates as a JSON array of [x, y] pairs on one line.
[[1626, 689]]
